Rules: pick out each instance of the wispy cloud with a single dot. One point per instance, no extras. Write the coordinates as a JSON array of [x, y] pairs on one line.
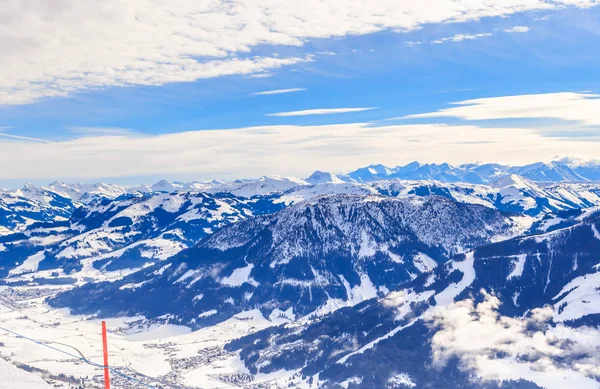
[[162, 44], [321, 111], [278, 91], [260, 75], [25, 138], [580, 107], [101, 131], [462, 37], [518, 29]]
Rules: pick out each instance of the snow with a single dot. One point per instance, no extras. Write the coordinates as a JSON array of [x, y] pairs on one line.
[[359, 293], [29, 265], [278, 316], [239, 277], [153, 350], [596, 232], [374, 343], [582, 298], [467, 268], [15, 378], [401, 379], [352, 380], [518, 266], [424, 263], [367, 247], [208, 313], [509, 369]]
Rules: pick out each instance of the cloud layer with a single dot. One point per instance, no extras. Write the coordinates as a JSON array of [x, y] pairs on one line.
[[504, 348], [58, 47], [580, 107], [284, 150]]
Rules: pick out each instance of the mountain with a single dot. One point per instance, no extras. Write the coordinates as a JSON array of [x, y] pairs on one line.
[[326, 285], [548, 172], [24, 207], [522, 313], [319, 177], [564, 170], [107, 238], [86, 193], [369, 173], [510, 193], [316, 256]]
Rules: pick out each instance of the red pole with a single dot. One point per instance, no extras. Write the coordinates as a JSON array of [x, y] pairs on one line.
[[105, 347]]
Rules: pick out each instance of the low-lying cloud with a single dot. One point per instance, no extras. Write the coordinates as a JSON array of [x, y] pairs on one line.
[[498, 347]]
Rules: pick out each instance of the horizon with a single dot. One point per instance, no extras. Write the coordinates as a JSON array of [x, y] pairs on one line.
[[570, 162]]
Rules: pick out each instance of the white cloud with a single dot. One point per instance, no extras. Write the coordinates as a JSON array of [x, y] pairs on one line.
[[260, 75], [580, 107], [58, 47], [462, 37], [498, 347], [518, 29], [278, 91], [320, 111], [283, 150]]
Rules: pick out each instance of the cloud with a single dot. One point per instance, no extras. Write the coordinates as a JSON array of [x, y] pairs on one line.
[[260, 75], [502, 348], [283, 150], [74, 45], [278, 91], [321, 111], [462, 37], [101, 131], [18, 137], [579, 107], [518, 29]]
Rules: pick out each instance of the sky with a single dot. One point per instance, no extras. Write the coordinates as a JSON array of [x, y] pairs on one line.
[[139, 90]]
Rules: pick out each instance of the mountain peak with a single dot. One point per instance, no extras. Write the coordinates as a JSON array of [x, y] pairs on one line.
[[319, 177]]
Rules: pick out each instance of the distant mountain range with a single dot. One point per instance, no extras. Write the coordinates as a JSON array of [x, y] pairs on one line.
[[556, 171]]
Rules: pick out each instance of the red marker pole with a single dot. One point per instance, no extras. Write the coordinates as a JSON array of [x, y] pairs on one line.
[[105, 347]]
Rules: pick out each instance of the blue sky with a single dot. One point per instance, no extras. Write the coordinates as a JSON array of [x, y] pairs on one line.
[[397, 73]]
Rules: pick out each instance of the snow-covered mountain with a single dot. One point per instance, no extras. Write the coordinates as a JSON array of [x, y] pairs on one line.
[[141, 228], [319, 177], [122, 235], [315, 256], [476, 276], [555, 171], [522, 313], [21, 208]]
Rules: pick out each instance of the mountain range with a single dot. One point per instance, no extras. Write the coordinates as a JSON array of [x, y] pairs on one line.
[[477, 276]]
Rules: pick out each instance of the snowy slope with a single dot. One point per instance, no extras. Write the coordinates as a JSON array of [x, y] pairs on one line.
[[11, 377]]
